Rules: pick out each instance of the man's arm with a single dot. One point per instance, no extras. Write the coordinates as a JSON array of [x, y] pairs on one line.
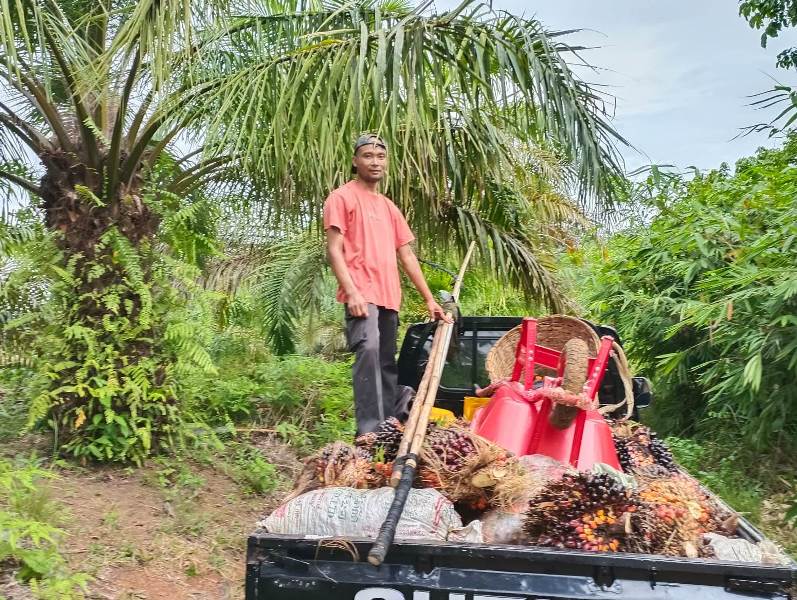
[[354, 299], [413, 270]]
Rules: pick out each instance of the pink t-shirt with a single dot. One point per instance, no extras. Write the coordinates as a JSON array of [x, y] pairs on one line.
[[373, 230]]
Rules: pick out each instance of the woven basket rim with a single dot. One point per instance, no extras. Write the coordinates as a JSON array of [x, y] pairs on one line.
[[500, 359]]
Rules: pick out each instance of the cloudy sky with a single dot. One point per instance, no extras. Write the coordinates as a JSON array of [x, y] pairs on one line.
[[681, 71]]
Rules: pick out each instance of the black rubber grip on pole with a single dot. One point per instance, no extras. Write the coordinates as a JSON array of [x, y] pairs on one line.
[[388, 530]]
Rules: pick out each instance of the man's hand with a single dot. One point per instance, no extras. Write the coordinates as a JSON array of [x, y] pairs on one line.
[[436, 312], [357, 305]]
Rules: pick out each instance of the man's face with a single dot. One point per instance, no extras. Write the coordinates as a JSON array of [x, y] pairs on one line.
[[370, 161]]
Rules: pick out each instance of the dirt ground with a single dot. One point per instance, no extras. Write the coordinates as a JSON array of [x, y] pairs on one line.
[[162, 532]]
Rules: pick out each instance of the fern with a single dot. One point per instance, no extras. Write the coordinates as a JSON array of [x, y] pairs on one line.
[[113, 356], [87, 195], [114, 335], [30, 541]]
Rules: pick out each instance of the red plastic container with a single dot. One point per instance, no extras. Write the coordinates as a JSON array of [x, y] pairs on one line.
[[516, 418], [522, 427], [507, 419]]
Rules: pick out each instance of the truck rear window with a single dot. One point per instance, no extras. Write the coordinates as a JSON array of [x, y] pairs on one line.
[[465, 362]]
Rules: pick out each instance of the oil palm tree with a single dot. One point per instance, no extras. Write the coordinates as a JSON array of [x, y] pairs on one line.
[[123, 107], [474, 105]]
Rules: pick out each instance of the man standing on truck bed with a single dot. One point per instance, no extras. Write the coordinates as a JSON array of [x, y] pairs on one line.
[[365, 232]]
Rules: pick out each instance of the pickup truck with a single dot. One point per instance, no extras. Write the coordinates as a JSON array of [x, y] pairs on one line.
[[280, 567]]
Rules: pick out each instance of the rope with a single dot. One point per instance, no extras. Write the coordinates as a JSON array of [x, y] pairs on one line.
[[561, 396], [625, 376]]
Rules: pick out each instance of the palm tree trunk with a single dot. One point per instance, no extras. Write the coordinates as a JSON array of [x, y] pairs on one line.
[[109, 298]]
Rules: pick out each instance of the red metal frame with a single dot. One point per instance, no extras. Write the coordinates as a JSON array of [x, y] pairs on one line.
[[529, 353]]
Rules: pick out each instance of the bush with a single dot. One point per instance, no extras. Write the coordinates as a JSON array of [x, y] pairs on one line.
[[14, 394], [28, 541], [307, 400], [706, 297]]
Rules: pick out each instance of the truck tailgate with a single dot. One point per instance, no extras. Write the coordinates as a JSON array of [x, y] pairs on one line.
[[291, 568]]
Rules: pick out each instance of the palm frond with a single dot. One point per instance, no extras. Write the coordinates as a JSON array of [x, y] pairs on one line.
[[284, 279], [775, 98], [290, 283], [27, 255], [230, 273], [449, 92], [526, 265]]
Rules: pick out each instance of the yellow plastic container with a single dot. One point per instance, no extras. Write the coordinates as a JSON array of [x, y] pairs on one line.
[[470, 406], [441, 415]]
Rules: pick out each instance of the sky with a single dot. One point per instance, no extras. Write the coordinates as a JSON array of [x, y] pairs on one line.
[[681, 72]]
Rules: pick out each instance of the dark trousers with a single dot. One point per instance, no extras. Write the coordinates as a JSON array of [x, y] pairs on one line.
[[374, 375]]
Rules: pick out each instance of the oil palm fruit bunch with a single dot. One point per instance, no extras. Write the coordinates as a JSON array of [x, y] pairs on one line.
[[674, 514], [639, 449], [661, 453], [331, 461], [451, 445], [386, 437], [587, 511], [428, 478]]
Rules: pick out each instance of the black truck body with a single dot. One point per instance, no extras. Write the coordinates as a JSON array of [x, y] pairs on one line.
[[281, 567]]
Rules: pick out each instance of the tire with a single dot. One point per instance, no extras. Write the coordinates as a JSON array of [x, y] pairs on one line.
[[575, 354]]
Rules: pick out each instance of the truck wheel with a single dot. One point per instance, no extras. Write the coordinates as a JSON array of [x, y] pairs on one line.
[[575, 354]]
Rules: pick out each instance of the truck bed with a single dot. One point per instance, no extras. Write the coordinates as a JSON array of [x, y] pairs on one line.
[[282, 567]]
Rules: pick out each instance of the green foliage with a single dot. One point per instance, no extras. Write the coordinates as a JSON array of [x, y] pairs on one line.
[[249, 468], [483, 293], [287, 285], [14, 396], [706, 298], [28, 261], [307, 400], [111, 337], [28, 539], [176, 477], [773, 16], [310, 393]]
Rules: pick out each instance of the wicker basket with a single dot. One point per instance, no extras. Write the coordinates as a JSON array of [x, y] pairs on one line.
[[553, 331]]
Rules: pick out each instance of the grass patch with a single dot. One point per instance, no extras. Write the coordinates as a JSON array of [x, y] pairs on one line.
[[250, 469]]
